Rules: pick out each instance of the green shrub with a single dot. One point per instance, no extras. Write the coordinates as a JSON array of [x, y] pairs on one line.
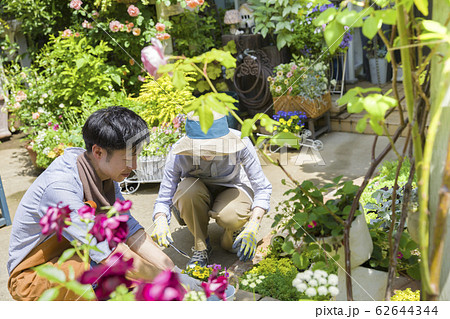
[[406, 295]]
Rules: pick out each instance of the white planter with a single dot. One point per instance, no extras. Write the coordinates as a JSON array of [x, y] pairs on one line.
[[150, 168], [367, 284], [378, 70]]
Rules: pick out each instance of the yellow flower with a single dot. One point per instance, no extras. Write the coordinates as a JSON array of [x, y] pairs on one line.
[[285, 130], [282, 121], [295, 117], [297, 127], [289, 122], [51, 154]]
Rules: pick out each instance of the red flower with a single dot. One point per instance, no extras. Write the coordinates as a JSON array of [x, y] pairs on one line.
[[114, 229], [312, 224], [55, 220], [165, 287], [122, 206], [108, 276], [215, 285], [399, 255]]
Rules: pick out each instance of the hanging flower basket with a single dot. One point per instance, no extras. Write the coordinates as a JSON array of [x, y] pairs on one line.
[[312, 107]]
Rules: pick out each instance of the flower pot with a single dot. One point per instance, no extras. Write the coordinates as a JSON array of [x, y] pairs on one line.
[[367, 284], [312, 107], [32, 154], [151, 168], [378, 70]]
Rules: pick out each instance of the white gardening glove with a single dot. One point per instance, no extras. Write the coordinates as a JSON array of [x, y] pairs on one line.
[[187, 281], [161, 234]]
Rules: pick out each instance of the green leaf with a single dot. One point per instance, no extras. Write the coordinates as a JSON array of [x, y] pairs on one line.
[[301, 218], [300, 261], [285, 138], [81, 290], [371, 26], [434, 26], [80, 63], [377, 128], [116, 78], [51, 273], [68, 253], [350, 18], [355, 107], [388, 16], [247, 128], [178, 80], [288, 247], [49, 294], [422, 5], [347, 97], [361, 125], [334, 32], [325, 17], [267, 122]]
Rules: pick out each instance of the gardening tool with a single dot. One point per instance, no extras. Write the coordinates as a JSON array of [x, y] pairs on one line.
[[179, 251]]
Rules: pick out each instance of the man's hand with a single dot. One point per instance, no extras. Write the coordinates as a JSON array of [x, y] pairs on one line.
[[161, 233], [246, 241]]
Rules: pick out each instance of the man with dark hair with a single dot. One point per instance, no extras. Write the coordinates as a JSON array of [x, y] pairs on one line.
[[112, 137]]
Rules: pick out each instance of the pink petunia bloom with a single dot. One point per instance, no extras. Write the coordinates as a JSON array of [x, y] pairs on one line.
[[399, 255], [95, 14], [54, 221], [133, 11], [109, 276], [153, 57], [294, 67], [76, 4], [165, 287], [87, 212], [215, 285], [35, 116], [289, 74], [136, 31], [55, 127], [290, 89], [114, 229], [66, 33], [160, 27], [312, 224], [115, 26], [122, 206], [141, 78]]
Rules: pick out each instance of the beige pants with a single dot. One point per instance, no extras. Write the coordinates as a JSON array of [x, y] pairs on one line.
[[197, 202]]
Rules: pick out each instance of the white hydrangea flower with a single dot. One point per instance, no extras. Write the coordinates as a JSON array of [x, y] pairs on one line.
[[322, 281], [333, 291], [296, 282], [308, 273], [322, 290], [252, 285], [313, 283], [301, 287], [333, 280], [301, 276], [311, 292]]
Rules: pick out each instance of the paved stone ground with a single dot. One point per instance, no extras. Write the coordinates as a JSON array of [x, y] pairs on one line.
[[346, 154]]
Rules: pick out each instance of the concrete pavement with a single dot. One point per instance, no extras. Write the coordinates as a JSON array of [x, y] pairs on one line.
[[346, 154]]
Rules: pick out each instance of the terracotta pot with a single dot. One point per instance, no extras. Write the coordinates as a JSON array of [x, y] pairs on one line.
[[32, 154]]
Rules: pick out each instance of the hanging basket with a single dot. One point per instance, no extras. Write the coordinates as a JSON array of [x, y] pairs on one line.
[[312, 107]]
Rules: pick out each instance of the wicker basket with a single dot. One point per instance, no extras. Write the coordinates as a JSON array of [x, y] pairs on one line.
[[150, 168], [312, 108]]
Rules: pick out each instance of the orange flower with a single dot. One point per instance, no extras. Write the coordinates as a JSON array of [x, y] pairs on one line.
[[160, 27], [136, 31]]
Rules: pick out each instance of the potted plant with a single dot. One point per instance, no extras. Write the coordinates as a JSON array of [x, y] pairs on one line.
[[301, 85], [377, 62]]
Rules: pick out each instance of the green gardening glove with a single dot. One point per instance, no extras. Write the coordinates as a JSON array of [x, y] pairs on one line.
[[161, 233], [246, 241]]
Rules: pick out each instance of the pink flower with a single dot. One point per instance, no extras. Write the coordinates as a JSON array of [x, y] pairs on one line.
[[76, 34], [133, 11], [17, 105], [294, 67], [152, 57], [35, 116], [86, 25], [215, 285], [141, 78], [115, 26], [95, 13], [20, 96], [176, 122], [289, 74], [399, 255], [160, 27], [55, 220], [312, 224], [66, 33], [49, 124], [76, 4], [194, 3], [165, 287], [122, 206], [290, 89], [136, 31], [114, 229], [109, 276], [86, 212], [55, 127]]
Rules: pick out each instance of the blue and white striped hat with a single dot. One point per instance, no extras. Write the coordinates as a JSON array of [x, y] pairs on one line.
[[219, 140]]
